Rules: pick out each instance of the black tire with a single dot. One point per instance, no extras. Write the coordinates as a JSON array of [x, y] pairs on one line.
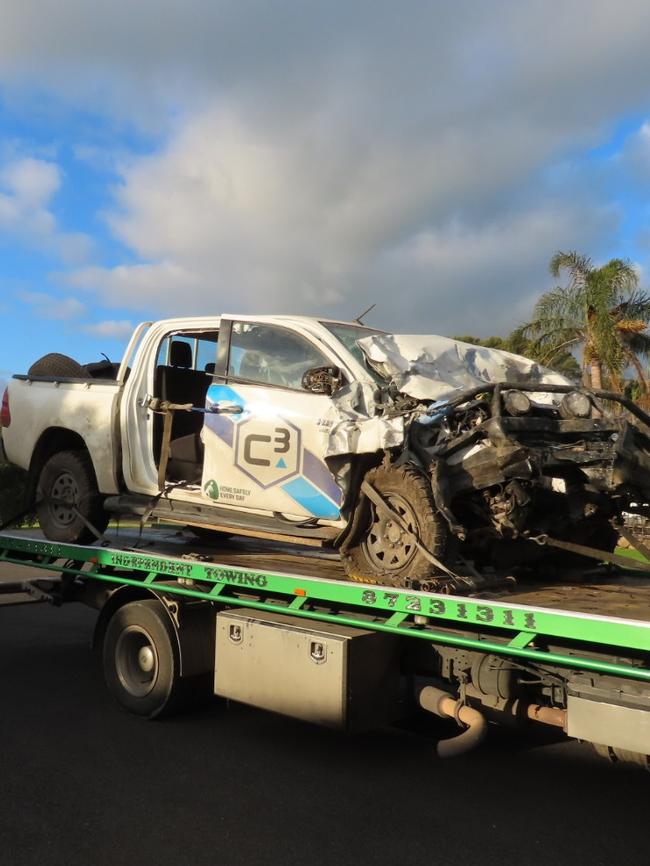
[[141, 659], [56, 364], [101, 370], [68, 478], [383, 553]]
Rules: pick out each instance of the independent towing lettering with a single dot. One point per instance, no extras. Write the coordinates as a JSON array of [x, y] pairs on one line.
[[185, 569], [240, 578], [150, 563]]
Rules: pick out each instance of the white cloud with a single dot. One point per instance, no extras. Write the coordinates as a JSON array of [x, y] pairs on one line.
[[635, 154], [464, 279], [116, 329], [234, 217], [162, 284], [51, 307], [318, 157], [27, 187], [31, 182]]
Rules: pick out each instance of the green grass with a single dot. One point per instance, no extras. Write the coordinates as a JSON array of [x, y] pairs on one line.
[[632, 554]]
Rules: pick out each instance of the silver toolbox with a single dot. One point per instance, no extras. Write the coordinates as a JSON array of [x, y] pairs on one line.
[[322, 672]]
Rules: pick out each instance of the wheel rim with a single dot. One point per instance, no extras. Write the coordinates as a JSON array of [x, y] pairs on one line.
[[387, 546], [136, 661], [64, 499]]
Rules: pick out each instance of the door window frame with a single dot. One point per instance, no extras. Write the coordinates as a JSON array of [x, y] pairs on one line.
[[222, 370]]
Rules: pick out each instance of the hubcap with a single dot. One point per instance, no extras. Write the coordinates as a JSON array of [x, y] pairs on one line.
[[387, 546], [64, 498], [136, 661], [146, 659]]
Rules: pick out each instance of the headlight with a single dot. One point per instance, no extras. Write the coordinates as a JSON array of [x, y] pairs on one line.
[[516, 403], [575, 405]]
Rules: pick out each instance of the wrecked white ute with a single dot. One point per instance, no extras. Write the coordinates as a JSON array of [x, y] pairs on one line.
[[421, 459]]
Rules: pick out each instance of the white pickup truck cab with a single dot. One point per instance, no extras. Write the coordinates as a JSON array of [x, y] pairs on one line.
[[248, 460], [406, 454]]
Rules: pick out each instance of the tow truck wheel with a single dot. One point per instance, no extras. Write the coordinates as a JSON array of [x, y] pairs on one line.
[[385, 552], [141, 659], [67, 499]]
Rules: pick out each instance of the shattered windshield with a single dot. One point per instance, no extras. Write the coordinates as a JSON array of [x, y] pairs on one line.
[[349, 335]]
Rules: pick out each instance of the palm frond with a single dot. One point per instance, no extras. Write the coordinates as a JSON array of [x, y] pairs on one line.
[[560, 304], [637, 343], [577, 266], [546, 355], [620, 275], [635, 306]]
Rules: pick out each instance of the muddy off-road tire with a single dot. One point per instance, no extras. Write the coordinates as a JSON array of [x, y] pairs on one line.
[[56, 364], [384, 553], [67, 489]]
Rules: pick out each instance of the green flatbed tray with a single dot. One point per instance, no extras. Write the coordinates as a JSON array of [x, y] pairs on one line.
[[600, 624]]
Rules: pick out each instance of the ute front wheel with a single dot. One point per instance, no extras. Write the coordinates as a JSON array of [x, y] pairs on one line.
[[386, 550]]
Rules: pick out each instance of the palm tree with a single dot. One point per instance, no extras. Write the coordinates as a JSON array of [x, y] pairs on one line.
[[602, 311]]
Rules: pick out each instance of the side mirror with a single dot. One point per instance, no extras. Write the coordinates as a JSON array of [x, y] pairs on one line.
[[321, 380]]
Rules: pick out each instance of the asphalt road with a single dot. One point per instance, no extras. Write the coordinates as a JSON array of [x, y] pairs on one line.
[[82, 782]]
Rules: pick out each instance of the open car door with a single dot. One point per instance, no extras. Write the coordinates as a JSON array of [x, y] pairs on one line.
[[264, 444]]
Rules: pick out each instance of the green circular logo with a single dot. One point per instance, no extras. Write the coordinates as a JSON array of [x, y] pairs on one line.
[[211, 489]]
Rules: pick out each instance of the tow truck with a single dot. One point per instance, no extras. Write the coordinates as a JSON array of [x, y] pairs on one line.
[[370, 505], [255, 621]]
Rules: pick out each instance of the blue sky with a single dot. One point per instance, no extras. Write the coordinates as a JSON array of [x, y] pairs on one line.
[[169, 159], [83, 149]]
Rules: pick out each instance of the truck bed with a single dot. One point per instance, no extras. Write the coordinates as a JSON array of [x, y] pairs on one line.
[[614, 595], [604, 592]]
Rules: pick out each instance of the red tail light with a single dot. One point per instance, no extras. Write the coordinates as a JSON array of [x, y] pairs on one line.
[[5, 414]]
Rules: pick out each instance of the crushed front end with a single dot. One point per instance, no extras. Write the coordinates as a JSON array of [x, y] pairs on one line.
[[509, 452], [509, 462]]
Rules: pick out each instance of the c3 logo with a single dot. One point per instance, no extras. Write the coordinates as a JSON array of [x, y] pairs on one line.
[[267, 454], [282, 440]]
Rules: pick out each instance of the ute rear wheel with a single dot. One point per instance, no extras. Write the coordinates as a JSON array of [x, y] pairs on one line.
[[385, 551], [67, 499]]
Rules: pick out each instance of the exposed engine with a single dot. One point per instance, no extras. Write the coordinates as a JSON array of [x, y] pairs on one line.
[[508, 462]]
